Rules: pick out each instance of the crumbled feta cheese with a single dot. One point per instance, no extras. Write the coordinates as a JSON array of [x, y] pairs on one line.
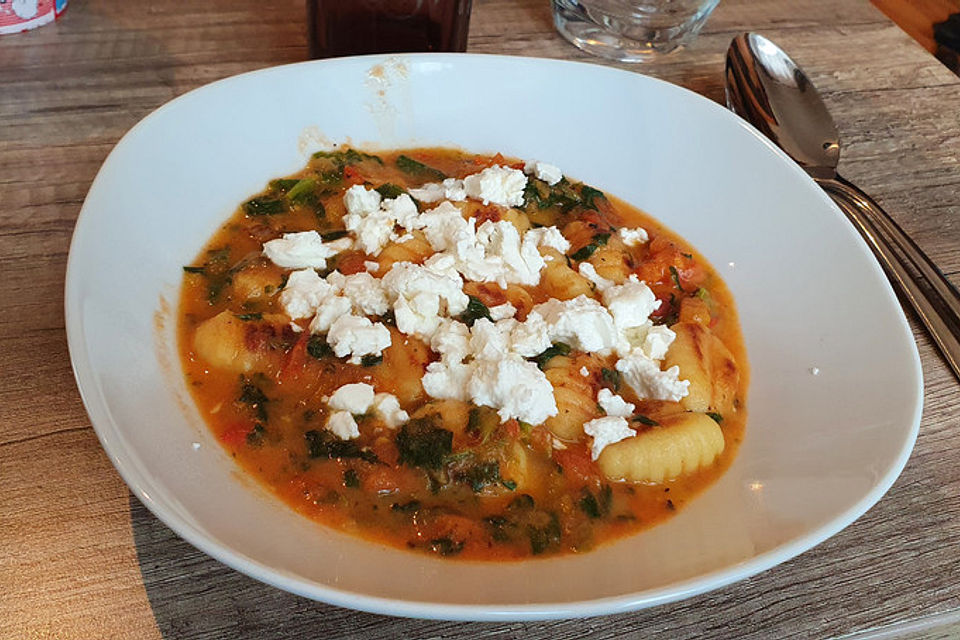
[[408, 280], [342, 424], [657, 342], [489, 340], [445, 227], [548, 237], [584, 372], [365, 292], [589, 272], [630, 303], [644, 376], [447, 380], [497, 184], [449, 189], [546, 172], [516, 388], [357, 336], [582, 323], [328, 312], [304, 292], [402, 210], [387, 407], [355, 398], [502, 311], [361, 201], [295, 327], [418, 316], [371, 266], [633, 237], [606, 431], [451, 340], [372, 231], [530, 337], [502, 257], [613, 404], [303, 249]]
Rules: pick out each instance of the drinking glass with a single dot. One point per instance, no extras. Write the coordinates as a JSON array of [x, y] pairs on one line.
[[353, 27], [631, 30]]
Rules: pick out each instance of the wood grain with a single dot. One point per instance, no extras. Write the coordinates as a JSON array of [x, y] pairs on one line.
[[81, 558]]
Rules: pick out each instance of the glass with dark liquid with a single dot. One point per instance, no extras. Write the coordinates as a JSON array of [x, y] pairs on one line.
[[354, 27]]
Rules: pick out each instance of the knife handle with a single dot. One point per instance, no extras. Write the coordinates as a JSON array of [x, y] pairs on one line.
[[933, 297]]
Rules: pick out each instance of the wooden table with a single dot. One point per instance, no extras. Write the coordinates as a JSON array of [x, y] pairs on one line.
[[81, 558]]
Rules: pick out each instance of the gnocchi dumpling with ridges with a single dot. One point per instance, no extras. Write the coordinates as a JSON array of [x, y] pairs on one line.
[[681, 444]]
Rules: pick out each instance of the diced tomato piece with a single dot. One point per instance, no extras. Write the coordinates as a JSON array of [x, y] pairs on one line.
[[578, 468], [352, 175], [351, 262], [236, 434], [294, 360]]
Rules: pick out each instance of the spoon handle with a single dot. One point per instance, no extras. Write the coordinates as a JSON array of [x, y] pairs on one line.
[[934, 298]]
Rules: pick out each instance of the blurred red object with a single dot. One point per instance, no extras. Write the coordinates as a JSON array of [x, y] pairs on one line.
[[21, 15]]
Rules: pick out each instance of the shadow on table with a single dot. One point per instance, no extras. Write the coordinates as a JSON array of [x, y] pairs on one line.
[[193, 596]]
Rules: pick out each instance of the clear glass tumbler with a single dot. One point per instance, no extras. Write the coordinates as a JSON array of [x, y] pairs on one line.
[[630, 30]]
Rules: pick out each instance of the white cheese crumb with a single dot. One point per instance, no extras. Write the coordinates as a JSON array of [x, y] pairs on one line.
[[516, 388], [657, 341], [530, 337], [502, 311], [402, 210], [548, 237], [450, 189], [355, 398], [633, 237], [497, 184], [613, 404], [584, 372], [304, 292], [546, 172], [295, 327], [447, 380], [303, 249], [371, 266], [417, 292], [589, 272], [387, 407], [490, 340], [606, 431], [328, 312], [582, 323], [644, 376], [365, 292], [451, 340], [361, 201], [630, 303], [342, 424], [358, 337]]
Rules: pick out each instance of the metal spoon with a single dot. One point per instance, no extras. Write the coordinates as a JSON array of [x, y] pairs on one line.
[[767, 89]]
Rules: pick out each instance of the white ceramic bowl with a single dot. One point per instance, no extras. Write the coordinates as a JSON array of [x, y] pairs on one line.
[[819, 449]]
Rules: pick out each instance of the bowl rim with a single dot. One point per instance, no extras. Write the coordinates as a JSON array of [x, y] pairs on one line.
[[138, 481]]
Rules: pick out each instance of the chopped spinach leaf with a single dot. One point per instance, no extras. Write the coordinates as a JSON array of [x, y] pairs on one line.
[[509, 484], [389, 191], [611, 378], [252, 396], [588, 250], [416, 168], [478, 475], [347, 156], [446, 546], [189, 269], [482, 422], [350, 479], [330, 236], [596, 506], [264, 206], [642, 419], [556, 349], [715, 416], [302, 190], [421, 444], [522, 502], [676, 277], [324, 444], [255, 436], [545, 537], [283, 185], [248, 316], [371, 360], [405, 507], [318, 347], [589, 195], [474, 311]]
